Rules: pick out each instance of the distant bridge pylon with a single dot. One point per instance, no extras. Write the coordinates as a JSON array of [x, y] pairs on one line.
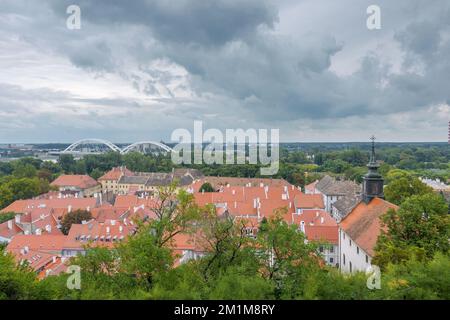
[[111, 146]]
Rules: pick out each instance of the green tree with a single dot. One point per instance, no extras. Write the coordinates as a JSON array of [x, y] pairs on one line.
[[16, 282], [96, 173], [285, 259], [25, 188], [175, 213], [206, 187], [6, 216], [74, 217], [24, 170], [6, 196], [400, 189], [417, 279], [142, 256], [67, 163], [419, 228]]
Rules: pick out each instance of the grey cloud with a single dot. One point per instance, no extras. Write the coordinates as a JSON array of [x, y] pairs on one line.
[[239, 66], [184, 21]]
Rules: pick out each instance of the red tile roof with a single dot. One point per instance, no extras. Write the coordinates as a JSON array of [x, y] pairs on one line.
[[362, 224], [57, 266], [7, 232], [63, 204], [116, 173], [94, 233], [108, 212], [311, 188], [310, 201], [319, 225], [78, 181], [37, 260], [45, 243], [217, 182]]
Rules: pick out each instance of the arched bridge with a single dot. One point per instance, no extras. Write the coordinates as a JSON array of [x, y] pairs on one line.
[[111, 146]]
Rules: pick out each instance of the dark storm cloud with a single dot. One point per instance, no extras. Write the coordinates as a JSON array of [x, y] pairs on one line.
[[182, 21], [239, 65]]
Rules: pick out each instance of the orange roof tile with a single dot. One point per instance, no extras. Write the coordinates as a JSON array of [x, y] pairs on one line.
[[74, 180], [22, 206], [362, 224], [97, 234], [9, 229], [319, 225], [309, 201], [47, 243], [116, 173]]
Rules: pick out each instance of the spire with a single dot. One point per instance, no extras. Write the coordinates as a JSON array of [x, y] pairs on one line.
[[372, 165], [372, 156], [373, 181]]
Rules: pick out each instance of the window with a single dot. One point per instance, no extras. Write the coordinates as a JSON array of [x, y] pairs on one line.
[[367, 258], [343, 259], [350, 242], [331, 249], [357, 250], [350, 266], [343, 235], [321, 249], [331, 260]]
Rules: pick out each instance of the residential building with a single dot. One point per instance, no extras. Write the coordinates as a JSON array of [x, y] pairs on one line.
[[332, 190], [38, 251], [319, 226], [109, 180], [96, 234], [360, 228], [77, 185]]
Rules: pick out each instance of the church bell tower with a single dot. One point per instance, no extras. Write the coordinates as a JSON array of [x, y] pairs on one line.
[[372, 181]]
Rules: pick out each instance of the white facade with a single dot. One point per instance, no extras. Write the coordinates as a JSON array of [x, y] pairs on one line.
[[330, 254], [352, 257], [328, 200]]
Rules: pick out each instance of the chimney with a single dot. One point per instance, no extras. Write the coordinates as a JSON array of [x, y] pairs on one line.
[[26, 249], [321, 220], [317, 213], [113, 222], [233, 192], [107, 229], [120, 229], [254, 203], [17, 218], [302, 226], [69, 208], [48, 228], [38, 231], [290, 205], [235, 204], [10, 224], [88, 208]]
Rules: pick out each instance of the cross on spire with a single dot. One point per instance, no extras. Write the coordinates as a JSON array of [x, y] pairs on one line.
[[372, 156]]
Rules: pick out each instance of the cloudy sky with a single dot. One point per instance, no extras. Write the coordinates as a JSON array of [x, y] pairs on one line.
[[137, 70]]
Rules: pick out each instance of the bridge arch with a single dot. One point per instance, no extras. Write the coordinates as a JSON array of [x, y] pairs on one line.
[[110, 145], [158, 144]]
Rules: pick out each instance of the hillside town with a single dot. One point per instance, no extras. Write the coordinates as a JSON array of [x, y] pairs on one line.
[[342, 215]]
